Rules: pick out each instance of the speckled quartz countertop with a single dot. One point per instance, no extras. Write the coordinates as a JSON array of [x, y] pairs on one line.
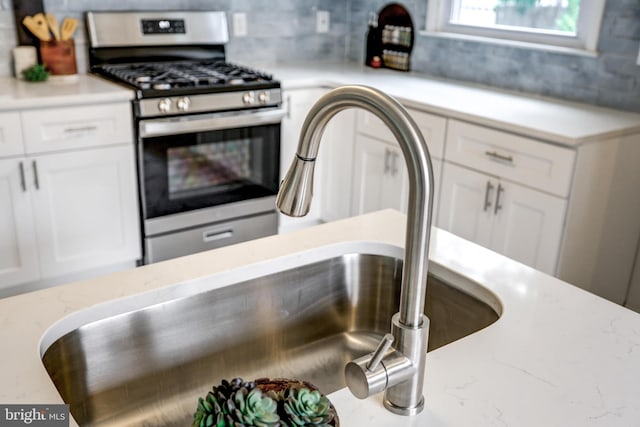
[[558, 356], [548, 119], [58, 91]]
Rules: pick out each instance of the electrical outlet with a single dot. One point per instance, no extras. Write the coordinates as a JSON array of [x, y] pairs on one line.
[[322, 21], [240, 24]]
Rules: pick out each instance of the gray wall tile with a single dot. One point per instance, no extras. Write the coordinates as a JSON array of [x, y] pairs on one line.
[[284, 30]]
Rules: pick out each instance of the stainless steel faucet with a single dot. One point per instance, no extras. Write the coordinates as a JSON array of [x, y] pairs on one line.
[[397, 365]]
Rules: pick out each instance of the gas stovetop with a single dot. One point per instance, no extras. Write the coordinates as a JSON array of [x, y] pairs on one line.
[[186, 77]]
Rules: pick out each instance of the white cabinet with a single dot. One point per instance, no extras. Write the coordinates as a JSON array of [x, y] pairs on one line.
[[18, 246], [506, 192], [297, 104], [380, 178], [516, 221], [67, 210], [85, 209], [332, 177]]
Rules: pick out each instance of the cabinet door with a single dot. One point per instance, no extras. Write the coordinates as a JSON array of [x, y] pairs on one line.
[[298, 103], [466, 204], [10, 135], [380, 177], [18, 248], [86, 209], [528, 226]]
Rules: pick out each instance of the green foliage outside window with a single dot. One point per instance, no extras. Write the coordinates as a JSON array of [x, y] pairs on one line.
[[566, 22]]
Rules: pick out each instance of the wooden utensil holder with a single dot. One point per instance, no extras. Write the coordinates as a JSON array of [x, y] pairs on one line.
[[59, 56]]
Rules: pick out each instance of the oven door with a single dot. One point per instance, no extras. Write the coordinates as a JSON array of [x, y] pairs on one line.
[[194, 162]]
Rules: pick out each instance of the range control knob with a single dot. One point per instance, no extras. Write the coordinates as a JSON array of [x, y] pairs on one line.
[[249, 98], [263, 97], [164, 105], [183, 103]]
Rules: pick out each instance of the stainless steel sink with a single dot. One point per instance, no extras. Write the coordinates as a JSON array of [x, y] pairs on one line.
[[148, 367]]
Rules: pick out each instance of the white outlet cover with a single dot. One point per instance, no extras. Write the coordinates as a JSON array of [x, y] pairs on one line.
[[240, 24], [322, 21]]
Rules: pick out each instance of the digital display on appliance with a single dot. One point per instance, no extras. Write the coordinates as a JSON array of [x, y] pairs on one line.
[[163, 26]]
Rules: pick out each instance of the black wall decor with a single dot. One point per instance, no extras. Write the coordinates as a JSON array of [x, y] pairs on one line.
[[22, 8]]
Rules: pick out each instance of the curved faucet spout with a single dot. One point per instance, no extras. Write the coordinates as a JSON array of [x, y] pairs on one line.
[[400, 372]]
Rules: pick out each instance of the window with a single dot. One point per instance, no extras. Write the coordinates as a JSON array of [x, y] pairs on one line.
[[571, 24]]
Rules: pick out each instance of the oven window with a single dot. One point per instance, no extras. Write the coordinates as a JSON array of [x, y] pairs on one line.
[[208, 168], [184, 172]]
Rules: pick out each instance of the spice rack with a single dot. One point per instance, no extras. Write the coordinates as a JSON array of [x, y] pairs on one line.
[[391, 45]]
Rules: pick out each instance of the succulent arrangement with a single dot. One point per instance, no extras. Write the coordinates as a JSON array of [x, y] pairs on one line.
[[261, 403]]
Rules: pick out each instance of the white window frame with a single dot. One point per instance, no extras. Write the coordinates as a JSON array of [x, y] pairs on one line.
[[584, 42]]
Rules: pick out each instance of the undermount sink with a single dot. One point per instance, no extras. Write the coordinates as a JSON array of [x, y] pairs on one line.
[[149, 366]]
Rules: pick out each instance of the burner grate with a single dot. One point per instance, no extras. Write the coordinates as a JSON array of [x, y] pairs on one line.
[[184, 74]]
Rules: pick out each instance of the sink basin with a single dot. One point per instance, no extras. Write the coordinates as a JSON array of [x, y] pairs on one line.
[[148, 366]]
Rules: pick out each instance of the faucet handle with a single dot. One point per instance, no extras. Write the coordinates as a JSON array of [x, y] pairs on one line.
[[380, 351]]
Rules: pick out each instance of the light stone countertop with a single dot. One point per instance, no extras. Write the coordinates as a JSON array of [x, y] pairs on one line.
[[558, 356], [548, 119], [59, 91]]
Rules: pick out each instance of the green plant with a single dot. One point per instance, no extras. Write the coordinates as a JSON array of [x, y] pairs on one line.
[[237, 403], [307, 408], [568, 21], [522, 6], [36, 73]]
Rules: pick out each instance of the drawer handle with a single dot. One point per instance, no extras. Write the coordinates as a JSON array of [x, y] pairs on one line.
[[497, 156], [487, 196], [23, 183], [212, 236], [81, 129]]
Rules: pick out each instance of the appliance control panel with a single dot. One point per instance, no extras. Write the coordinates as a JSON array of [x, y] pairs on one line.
[[175, 105], [163, 26]]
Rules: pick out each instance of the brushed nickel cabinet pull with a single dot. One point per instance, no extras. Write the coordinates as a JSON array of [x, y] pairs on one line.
[[81, 129], [497, 156], [288, 106], [387, 161], [498, 205], [487, 196], [36, 182], [23, 183]]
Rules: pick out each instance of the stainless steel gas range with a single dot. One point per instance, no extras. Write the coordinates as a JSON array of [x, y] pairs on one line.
[[208, 132]]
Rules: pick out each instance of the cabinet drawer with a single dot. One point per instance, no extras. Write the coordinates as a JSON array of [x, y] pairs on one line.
[[77, 127], [432, 128], [533, 163], [10, 135]]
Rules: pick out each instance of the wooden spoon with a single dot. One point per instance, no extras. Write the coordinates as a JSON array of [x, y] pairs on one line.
[[37, 24], [69, 25], [53, 25]]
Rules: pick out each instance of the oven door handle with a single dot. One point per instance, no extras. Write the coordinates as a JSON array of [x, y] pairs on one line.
[[209, 122]]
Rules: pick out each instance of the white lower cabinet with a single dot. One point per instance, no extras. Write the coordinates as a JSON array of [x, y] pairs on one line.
[[511, 219], [332, 177], [18, 246], [379, 177], [84, 209], [68, 212], [297, 104]]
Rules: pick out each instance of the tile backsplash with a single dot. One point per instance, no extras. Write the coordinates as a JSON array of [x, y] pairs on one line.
[[284, 30]]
